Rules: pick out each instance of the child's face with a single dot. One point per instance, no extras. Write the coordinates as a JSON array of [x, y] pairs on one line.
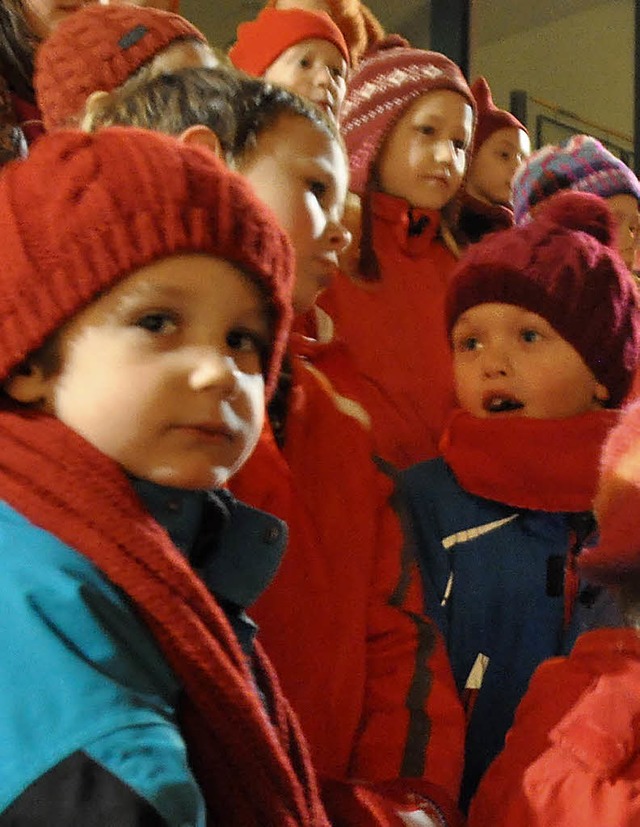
[[301, 173], [509, 361], [492, 169], [163, 373], [424, 156], [44, 15], [314, 69], [627, 221]]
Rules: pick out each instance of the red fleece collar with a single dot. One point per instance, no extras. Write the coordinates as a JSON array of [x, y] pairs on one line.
[[539, 464]]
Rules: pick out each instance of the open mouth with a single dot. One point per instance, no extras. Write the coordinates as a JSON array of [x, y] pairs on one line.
[[499, 403]]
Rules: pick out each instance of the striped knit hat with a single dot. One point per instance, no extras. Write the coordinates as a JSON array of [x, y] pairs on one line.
[[98, 48], [581, 164], [389, 78], [84, 211]]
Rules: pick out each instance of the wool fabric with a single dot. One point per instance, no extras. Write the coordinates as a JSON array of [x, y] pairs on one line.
[[98, 49], [563, 267], [84, 211], [261, 41], [581, 164], [388, 79], [490, 117]]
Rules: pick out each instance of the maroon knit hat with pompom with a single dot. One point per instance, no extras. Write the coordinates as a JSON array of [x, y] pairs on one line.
[[389, 78], [84, 211], [490, 117], [563, 267], [98, 48]]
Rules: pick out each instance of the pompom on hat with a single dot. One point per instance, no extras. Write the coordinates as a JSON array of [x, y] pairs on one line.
[[261, 41], [582, 164], [389, 78], [83, 211], [490, 117], [563, 267], [98, 48], [617, 505]]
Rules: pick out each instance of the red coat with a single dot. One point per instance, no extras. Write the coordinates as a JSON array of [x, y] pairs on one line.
[[572, 757], [396, 331], [363, 668]]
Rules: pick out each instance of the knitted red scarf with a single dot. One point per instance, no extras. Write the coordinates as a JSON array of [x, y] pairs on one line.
[[540, 464], [243, 763]]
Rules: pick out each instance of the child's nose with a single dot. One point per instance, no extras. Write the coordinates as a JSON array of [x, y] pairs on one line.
[[339, 237], [444, 151], [495, 361], [211, 369]]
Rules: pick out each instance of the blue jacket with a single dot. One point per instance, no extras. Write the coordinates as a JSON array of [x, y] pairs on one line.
[[72, 645], [494, 581]]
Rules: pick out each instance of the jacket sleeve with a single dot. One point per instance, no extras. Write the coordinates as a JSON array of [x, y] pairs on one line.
[[412, 732]]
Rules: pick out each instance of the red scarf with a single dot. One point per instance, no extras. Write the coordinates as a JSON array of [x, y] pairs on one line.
[[539, 464], [243, 763]]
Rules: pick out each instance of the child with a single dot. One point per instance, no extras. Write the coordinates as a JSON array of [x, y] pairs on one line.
[[407, 124], [304, 51], [363, 667], [544, 328], [581, 164], [121, 44], [359, 26], [145, 306], [571, 756], [500, 144]]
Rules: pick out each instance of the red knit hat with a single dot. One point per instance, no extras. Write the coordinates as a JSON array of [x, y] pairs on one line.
[[83, 211], [617, 505], [273, 31], [563, 267], [389, 78], [99, 48], [490, 118]]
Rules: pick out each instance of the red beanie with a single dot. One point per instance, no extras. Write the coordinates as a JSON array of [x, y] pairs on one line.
[[389, 78], [563, 267], [490, 118], [84, 211], [99, 48], [617, 505], [273, 31]]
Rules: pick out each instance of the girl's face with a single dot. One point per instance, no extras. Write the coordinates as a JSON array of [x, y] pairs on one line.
[[44, 15], [424, 157]]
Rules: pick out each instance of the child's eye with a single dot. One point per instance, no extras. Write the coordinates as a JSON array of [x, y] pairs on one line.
[[304, 62], [246, 341], [426, 129], [337, 72], [467, 343], [460, 145], [530, 335], [318, 188], [158, 322]]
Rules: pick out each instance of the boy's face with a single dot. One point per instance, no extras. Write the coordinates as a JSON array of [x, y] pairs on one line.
[[164, 372], [627, 223], [301, 173], [424, 156], [314, 69], [509, 361], [492, 169]]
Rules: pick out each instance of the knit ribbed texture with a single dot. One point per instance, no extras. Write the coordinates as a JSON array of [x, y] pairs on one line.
[[84, 211], [582, 164], [99, 48], [490, 117], [389, 78], [261, 41], [252, 773], [562, 267]]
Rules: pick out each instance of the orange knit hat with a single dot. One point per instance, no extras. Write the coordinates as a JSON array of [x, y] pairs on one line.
[[273, 31]]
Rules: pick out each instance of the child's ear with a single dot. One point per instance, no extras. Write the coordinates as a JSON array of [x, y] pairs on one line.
[[28, 384], [203, 136], [600, 394]]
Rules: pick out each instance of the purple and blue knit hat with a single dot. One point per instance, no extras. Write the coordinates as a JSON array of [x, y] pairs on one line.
[[582, 164]]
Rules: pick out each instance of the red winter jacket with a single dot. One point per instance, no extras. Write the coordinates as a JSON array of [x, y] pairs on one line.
[[572, 757], [363, 668], [395, 329]]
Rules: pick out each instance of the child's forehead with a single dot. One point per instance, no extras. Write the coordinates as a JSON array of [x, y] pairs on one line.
[[496, 313], [314, 45]]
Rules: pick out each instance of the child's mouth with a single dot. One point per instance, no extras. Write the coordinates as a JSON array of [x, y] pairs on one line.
[[499, 403]]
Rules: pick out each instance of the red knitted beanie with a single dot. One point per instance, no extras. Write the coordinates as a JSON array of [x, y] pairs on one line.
[[83, 211], [617, 505], [389, 78], [563, 267], [99, 48], [490, 118], [274, 31]]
